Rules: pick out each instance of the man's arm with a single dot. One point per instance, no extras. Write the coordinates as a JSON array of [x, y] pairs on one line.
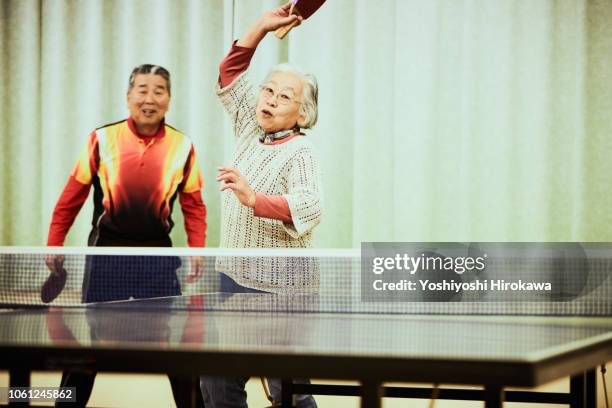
[[71, 200], [67, 208], [194, 214], [75, 192]]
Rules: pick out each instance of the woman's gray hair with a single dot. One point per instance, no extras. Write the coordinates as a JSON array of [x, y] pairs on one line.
[[149, 69], [310, 105]]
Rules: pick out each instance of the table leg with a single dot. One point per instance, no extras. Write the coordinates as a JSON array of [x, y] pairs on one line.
[[19, 377], [286, 393], [186, 391], [591, 389], [196, 399], [371, 394], [583, 389], [493, 396]]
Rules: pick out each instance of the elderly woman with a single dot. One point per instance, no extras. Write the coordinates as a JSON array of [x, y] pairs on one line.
[[271, 191], [271, 194]]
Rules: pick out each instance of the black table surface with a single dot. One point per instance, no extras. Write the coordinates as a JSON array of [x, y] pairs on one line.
[[305, 335]]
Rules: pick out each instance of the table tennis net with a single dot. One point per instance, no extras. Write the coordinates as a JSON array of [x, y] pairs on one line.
[[581, 287]]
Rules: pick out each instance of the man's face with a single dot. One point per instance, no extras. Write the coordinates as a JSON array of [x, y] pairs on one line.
[[148, 100], [279, 102]]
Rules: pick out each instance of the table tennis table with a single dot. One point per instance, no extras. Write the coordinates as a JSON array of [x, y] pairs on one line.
[[313, 336]]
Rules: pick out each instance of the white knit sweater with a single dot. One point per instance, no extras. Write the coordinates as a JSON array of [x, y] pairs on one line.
[[288, 169]]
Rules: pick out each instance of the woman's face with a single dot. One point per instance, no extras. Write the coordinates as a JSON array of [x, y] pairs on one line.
[[278, 107]]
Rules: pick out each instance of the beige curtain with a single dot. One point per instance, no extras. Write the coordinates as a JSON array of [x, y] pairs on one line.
[[464, 120], [440, 120], [65, 71]]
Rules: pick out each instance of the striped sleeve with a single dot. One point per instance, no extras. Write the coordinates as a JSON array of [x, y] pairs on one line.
[[87, 163], [192, 178]]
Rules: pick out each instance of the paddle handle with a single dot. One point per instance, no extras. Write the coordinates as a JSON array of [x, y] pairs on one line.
[[282, 32]]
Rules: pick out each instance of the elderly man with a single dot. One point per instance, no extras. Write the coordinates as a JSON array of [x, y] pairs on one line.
[[138, 167], [272, 194]]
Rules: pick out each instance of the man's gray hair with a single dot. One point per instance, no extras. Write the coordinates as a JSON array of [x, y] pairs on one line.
[[310, 105], [149, 69]]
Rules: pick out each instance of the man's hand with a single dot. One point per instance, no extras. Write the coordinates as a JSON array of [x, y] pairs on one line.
[[196, 266], [55, 263], [232, 179], [54, 285]]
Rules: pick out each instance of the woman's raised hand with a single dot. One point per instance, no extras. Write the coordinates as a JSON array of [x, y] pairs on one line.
[[277, 18], [269, 21]]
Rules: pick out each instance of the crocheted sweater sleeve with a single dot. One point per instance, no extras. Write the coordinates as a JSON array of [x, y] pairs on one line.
[[304, 194], [238, 99]]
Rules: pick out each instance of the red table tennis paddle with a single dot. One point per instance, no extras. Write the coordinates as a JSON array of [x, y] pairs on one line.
[[304, 8], [54, 285]]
